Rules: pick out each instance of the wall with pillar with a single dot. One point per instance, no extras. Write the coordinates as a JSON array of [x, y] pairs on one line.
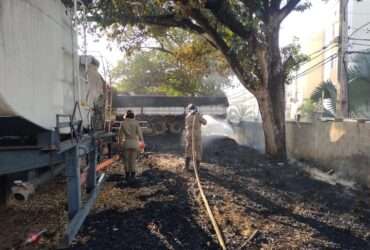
[[342, 146]]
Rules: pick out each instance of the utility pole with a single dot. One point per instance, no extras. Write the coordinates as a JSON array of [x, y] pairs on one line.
[[342, 96]]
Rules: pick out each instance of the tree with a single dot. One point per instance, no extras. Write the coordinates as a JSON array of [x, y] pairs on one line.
[[245, 32], [180, 67]]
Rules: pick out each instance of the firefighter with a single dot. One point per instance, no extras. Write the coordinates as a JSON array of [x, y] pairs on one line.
[[193, 118], [130, 137]]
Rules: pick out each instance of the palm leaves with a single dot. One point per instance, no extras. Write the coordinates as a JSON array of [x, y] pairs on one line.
[[359, 69], [359, 85], [327, 94], [358, 76]]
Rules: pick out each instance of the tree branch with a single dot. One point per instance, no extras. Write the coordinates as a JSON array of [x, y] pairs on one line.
[[275, 4], [286, 65], [245, 76], [223, 13], [289, 7], [159, 48], [169, 20]]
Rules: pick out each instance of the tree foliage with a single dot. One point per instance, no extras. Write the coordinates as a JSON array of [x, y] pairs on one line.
[[176, 64], [155, 72], [237, 29], [325, 91]]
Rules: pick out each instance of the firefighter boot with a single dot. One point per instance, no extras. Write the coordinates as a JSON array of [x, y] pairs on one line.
[[187, 163], [134, 180], [133, 175], [128, 177], [197, 164]]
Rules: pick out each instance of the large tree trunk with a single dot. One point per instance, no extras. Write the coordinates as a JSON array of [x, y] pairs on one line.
[[273, 122], [271, 98]]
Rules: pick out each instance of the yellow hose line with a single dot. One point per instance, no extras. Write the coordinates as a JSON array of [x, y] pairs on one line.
[[204, 198]]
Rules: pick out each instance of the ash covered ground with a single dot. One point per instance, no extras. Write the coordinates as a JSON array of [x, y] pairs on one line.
[[258, 203]]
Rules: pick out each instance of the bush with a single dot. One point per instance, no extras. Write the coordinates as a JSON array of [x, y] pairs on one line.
[[307, 108]]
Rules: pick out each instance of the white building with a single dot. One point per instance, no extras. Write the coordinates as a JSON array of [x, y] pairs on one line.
[[322, 45]]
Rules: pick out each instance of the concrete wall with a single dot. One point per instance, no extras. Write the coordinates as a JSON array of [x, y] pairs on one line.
[[341, 146], [250, 134]]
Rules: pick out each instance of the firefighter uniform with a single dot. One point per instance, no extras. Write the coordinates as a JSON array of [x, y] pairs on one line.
[[196, 119], [129, 136]]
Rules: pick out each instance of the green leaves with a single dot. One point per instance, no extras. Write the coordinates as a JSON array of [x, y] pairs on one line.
[[359, 69], [156, 72], [292, 59]]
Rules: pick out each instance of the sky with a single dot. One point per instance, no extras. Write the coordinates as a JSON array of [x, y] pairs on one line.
[[297, 24], [304, 24]]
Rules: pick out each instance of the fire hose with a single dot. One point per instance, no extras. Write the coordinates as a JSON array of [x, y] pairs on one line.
[[204, 198]]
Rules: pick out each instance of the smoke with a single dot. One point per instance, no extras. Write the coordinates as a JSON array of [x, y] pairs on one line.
[[217, 127]]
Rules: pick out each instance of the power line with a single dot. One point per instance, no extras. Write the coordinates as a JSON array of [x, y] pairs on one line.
[[323, 62], [359, 39], [359, 28], [362, 44], [334, 42], [313, 58], [329, 46], [365, 52]]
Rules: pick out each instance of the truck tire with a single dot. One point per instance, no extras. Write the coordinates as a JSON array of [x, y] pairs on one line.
[[233, 115], [175, 127], [159, 128]]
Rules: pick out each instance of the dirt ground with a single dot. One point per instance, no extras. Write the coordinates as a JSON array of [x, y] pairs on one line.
[[258, 203], [46, 210]]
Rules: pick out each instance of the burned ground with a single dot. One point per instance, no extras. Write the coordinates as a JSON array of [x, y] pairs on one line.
[[279, 204], [258, 203]]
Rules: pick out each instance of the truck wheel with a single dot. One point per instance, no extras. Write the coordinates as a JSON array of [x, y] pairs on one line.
[[159, 128], [175, 127]]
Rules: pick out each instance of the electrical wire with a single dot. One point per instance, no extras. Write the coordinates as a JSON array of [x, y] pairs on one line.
[[326, 47], [358, 39], [309, 70], [313, 58], [362, 44], [365, 52], [323, 62], [359, 28]]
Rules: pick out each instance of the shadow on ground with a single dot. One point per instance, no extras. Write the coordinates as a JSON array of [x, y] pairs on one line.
[[274, 190], [166, 221]]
